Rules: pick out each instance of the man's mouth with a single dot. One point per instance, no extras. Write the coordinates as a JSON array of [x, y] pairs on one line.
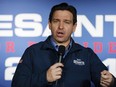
[[60, 34]]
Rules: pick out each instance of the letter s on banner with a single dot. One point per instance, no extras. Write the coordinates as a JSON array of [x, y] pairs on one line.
[[9, 71], [28, 25]]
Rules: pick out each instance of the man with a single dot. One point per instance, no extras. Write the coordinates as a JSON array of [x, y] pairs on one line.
[[39, 66]]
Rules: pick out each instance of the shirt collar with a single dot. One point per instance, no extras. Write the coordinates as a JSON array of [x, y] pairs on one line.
[[56, 46]]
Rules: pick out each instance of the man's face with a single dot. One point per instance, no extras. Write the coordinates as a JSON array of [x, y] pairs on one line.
[[62, 26]]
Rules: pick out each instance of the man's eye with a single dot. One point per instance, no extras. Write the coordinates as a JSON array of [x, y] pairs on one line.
[[55, 21], [67, 22]]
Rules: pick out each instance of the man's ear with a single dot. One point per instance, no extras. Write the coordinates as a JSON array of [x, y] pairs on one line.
[[49, 25], [74, 27]]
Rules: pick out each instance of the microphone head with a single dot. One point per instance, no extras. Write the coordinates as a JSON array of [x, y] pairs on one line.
[[61, 50]]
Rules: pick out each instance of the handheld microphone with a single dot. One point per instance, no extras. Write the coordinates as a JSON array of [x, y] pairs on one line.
[[61, 51]]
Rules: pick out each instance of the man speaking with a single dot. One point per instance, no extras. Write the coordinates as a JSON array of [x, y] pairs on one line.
[[59, 61]]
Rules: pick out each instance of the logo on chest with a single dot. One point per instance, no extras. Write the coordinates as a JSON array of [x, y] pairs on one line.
[[78, 62]]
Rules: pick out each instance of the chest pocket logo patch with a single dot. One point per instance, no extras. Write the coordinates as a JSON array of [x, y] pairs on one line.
[[79, 62]]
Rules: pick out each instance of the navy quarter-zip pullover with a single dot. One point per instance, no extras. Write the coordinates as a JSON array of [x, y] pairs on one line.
[[81, 66]]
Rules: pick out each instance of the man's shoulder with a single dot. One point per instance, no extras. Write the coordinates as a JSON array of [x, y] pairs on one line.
[[36, 45], [82, 48], [41, 45]]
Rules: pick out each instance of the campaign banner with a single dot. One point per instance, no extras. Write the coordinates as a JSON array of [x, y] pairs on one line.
[[25, 22]]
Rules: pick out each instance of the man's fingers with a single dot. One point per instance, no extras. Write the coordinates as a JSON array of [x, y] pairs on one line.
[[105, 83], [102, 84], [54, 72], [104, 72], [57, 65], [59, 69], [106, 78], [105, 75]]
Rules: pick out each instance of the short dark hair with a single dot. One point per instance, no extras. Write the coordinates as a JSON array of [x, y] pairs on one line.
[[64, 6]]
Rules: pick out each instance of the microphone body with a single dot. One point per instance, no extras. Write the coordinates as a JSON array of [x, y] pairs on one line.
[[60, 58], [61, 51]]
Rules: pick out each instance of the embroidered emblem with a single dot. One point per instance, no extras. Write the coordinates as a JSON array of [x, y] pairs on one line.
[[78, 62]]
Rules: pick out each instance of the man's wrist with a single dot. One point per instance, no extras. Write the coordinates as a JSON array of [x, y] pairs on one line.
[[112, 83]]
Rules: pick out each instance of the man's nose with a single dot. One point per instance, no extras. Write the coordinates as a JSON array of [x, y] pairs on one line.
[[61, 25]]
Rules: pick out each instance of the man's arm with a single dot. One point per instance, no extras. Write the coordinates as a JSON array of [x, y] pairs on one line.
[[25, 75]]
